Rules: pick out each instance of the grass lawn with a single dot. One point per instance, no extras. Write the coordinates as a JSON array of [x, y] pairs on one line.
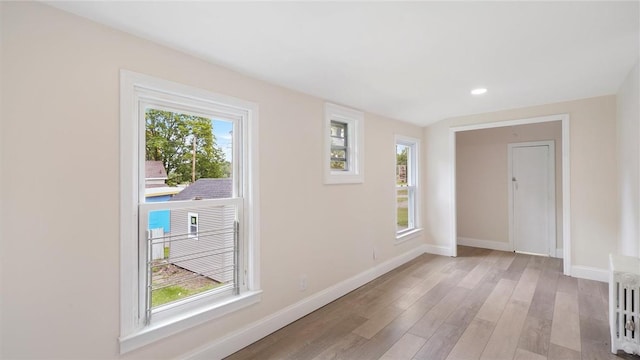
[[173, 293], [165, 273]]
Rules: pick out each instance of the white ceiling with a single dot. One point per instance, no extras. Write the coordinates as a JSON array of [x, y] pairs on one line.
[[412, 61]]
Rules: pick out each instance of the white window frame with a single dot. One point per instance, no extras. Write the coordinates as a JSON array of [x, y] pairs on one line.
[[190, 234], [136, 91], [413, 188], [355, 145]]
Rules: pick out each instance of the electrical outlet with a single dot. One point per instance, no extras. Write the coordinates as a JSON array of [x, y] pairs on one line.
[[303, 282], [375, 253]]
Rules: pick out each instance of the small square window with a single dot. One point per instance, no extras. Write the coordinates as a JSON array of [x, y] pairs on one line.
[[344, 153]]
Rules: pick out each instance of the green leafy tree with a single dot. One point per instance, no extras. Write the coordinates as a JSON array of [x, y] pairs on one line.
[[170, 138], [401, 163], [401, 157]]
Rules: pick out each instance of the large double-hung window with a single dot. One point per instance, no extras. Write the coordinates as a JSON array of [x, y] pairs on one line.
[[188, 241], [407, 204]]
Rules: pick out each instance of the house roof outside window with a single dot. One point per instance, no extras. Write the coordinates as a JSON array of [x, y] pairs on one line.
[[155, 174], [206, 188]]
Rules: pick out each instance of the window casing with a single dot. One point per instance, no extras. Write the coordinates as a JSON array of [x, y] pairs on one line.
[[142, 322], [192, 230], [344, 145], [407, 186]]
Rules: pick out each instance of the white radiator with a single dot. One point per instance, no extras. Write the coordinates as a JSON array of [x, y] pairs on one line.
[[624, 290]]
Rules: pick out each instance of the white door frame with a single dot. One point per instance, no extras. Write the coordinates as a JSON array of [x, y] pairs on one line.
[[551, 178], [566, 179]]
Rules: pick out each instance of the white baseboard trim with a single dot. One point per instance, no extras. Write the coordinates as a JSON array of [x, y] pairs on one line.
[[485, 244], [560, 253], [590, 273], [255, 331], [437, 250]]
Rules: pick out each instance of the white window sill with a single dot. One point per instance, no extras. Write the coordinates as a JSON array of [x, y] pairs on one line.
[[187, 320], [336, 177], [408, 235]]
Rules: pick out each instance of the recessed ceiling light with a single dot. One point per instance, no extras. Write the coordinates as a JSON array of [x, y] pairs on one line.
[[478, 91]]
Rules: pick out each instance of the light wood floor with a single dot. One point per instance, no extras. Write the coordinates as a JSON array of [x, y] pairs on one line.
[[483, 304]]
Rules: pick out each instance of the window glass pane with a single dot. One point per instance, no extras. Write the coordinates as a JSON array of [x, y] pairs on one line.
[[338, 129], [194, 259], [338, 146], [187, 157], [402, 170], [338, 154], [405, 187], [402, 209], [338, 142], [338, 165]]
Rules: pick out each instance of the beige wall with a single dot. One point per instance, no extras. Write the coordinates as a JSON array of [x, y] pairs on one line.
[[628, 121], [482, 181], [60, 193], [594, 210]]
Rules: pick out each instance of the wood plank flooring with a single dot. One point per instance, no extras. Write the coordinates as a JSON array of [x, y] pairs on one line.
[[484, 304]]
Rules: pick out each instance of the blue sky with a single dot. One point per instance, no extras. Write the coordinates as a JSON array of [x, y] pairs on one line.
[[221, 130]]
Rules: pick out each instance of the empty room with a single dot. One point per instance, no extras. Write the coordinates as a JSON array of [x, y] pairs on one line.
[[319, 180]]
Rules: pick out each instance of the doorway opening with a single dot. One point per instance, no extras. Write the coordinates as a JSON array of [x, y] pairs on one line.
[[495, 232]]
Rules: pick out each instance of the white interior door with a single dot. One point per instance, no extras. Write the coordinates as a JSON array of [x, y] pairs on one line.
[[532, 197]]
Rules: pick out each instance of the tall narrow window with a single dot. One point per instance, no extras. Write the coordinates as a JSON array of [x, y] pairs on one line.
[[344, 150], [406, 151], [185, 165]]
